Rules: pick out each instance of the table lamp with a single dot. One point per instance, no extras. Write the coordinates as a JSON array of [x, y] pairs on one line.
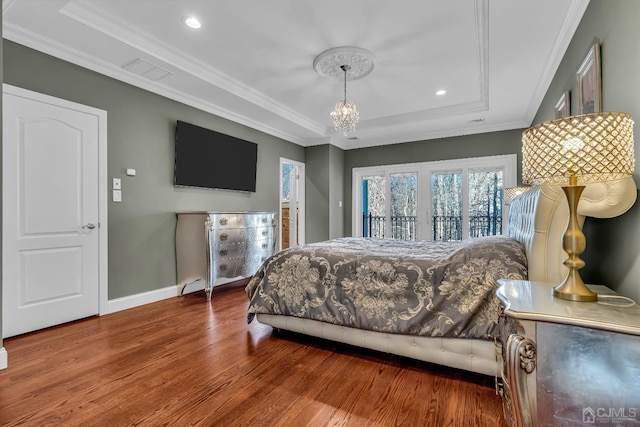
[[572, 152]]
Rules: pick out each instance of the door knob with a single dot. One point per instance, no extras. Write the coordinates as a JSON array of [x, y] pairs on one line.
[[90, 226]]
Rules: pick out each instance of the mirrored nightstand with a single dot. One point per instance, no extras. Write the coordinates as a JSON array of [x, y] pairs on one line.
[[569, 363]]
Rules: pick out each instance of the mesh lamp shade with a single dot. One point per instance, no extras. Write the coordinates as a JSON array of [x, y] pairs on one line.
[[571, 152], [592, 147]]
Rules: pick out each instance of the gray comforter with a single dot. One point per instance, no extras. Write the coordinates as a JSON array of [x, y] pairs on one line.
[[422, 288]]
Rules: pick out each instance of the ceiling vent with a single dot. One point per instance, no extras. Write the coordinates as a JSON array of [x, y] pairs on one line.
[[146, 69]]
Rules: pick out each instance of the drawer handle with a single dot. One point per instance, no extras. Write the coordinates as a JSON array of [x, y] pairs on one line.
[[265, 232], [223, 252], [224, 221], [223, 267], [265, 246], [264, 220], [224, 236]]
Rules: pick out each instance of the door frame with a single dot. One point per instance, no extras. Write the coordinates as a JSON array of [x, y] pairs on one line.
[[301, 199], [103, 241]]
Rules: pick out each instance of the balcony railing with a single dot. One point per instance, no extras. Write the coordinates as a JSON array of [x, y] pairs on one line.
[[402, 227], [444, 227]]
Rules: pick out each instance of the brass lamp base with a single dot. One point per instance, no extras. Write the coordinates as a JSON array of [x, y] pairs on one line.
[[574, 243], [573, 289]]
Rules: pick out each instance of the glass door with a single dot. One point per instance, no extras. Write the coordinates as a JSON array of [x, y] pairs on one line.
[[486, 190], [441, 200], [374, 206], [446, 206], [404, 205]]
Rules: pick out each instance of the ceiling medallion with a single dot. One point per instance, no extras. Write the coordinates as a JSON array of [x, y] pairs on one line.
[[352, 63], [329, 62]]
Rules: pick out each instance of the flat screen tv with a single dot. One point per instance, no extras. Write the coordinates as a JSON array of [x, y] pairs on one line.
[[208, 159]]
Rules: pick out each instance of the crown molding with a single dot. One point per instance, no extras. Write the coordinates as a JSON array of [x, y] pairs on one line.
[[382, 130], [37, 42], [105, 23], [426, 136], [569, 26], [482, 43]]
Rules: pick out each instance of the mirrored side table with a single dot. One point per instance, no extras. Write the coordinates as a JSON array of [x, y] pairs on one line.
[[569, 363]]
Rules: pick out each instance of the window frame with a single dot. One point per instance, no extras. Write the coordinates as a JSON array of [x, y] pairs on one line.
[[424, 171]]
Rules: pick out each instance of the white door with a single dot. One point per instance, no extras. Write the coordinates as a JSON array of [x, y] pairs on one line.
[[292, 192], [51, 213]]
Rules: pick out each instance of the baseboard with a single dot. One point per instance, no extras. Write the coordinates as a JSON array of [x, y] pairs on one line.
[[131, 301], [3, 358]]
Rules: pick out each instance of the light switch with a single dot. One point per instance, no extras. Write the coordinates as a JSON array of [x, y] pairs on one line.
[[131, 172], [117, 195], [117, 184]]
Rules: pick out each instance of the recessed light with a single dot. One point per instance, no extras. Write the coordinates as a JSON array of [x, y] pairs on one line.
[[192, 22], [441, 92]]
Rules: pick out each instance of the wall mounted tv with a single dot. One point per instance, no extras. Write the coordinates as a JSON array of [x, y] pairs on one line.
[[208, 159]]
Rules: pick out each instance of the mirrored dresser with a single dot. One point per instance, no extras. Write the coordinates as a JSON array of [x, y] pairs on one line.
[[569, 363], [222, 247]]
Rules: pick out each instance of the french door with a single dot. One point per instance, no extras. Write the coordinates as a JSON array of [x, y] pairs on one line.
[[445, 200], [396, 219]]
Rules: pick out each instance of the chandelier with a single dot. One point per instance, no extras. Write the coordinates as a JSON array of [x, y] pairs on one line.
[[337, 62], [345, 115]]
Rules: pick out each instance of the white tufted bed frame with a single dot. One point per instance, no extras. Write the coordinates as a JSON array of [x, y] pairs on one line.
[[538, 219]]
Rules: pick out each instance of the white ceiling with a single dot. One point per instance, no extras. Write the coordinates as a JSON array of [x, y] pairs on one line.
[[252, 60]]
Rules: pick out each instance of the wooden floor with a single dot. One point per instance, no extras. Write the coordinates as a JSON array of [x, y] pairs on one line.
[[183, 362]]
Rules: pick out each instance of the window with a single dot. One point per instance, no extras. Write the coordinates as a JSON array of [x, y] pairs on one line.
[[446, 200]]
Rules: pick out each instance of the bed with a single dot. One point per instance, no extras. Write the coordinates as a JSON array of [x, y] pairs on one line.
[[441, 308]]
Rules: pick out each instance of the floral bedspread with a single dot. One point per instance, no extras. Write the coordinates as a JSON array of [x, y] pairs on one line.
[[425, 288]]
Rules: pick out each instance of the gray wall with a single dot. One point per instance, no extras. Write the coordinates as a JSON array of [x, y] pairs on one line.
[[486, 144], [317, 193], [324, 191], [336, 195], [141, 136], [613, 245]]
